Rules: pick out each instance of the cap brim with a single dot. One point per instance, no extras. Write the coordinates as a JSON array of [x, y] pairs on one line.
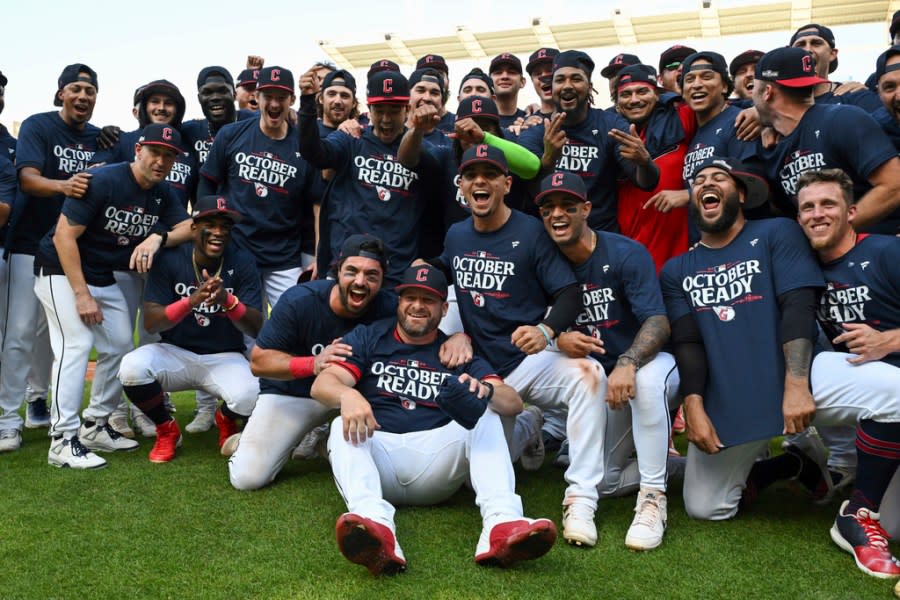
[[475, 161], [234, 216], [801, 82], [495, 65], [171, 147], [543, 195], [274, 86], [541, 61], [757, 189], [388, 100], [399, 289]]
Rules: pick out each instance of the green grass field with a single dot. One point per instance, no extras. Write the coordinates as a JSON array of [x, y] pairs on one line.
[[141, 530]]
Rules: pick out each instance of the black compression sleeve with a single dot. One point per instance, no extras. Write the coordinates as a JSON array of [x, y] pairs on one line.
[[798, 314], [690, 356], [564, 309]]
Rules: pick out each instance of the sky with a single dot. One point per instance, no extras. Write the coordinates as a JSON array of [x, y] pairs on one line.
[[130, 43]]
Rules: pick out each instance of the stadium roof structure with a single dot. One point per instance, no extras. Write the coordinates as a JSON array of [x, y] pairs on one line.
[[708, 21]]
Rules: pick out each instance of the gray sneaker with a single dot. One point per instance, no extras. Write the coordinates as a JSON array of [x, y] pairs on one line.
[[99, 436], [312, 445], [10, 440], [118, 420], [204, 419]]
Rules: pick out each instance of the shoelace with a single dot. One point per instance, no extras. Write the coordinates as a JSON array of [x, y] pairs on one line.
[[877, 536], [112, 432], [648, 511], [77, 448], [579, 511]]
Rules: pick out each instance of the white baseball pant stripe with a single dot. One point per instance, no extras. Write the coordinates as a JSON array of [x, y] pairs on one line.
[[26, 358], [844, 394], [424, 468], [72, 341], [224, 375], [275, 427]]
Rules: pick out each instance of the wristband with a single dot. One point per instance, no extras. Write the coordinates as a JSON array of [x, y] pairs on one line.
[[237, 312], [231, 302], [165, 237], [546, 333], [178, 310], [303, 366]]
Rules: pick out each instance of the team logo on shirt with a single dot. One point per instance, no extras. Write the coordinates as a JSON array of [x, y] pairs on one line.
[[129, 222], [796, 164], [842, 303], [261, 190], [264, 169], [721, 287], [384, 194], [73, 158], [202, 320], [383, 171], [483, 272], [576, 158], [411, 381]]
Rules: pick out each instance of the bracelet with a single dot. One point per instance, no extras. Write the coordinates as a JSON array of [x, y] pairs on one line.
[[178, 310], [546, 333], [165, 237], [490, 387], [236, 313], [231, 302], [302, 366]]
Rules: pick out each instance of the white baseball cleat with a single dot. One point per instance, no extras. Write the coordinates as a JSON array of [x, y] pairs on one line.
[[71, 454], [231, 445], [578, 524], [99, 436], [650, 520]]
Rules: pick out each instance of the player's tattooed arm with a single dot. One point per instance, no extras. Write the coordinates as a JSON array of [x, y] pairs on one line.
[[650, 338], [797, 405]]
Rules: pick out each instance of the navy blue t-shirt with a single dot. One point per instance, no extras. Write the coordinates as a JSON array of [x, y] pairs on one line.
[[504, 279], [302, 324], [401, 381], [864, 99], [118, 215], [8, 143], [593, 155], [447, 124], [9, 181], [58, 151], [198, 138], [207, 329], [270, 184], [716, 138], [863, 286], [182, 178], [619, 292], [507, 120], [732, 295]]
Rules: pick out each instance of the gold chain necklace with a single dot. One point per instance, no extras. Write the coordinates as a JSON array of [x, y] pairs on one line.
[[197, 271]]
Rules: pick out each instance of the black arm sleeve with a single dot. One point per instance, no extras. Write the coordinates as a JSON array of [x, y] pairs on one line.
[[564, 309], [690, 356], [311, 147], [798, 314]]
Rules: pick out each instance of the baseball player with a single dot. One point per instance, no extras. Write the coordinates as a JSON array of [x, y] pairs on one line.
[[623, 325], [294, 345], [506, 71], [747, 287], [437, 62], [215, 92], [476, 83], [426, 87], [742, 69], [7, 141], [596, 144], [411, 431], [507, 271], [256, 164], [245, 89], [204, 298], [670, 62], [540, 70], [10, 438], [53, 153], [860, 314], [126, 215]]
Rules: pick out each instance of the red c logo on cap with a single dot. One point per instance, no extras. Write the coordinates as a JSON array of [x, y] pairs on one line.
[[481, 151], [220, 203], [476, 106], [255, 73], [807, 63], [618, 60], [167, 133], [542, 53], [422, 275], [556, 180], [388, 86], [276, 75]]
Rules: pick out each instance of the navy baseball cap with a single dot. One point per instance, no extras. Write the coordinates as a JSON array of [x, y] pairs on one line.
[[539, 57], [165, 87], [881, 66], [433, 61], [277, 78], [637, 74], [477, 73], [430, 75], [424, 277], [756, 189], [374, 248], [561, 182], [477, 106], [506, 59], [895, 24], [821, 31], [158, 134], [576, 59], [617, 63], [339, 78], [482, 153], [207, 72], [212, 205], [248, 78], [673, 56], [716, 63], [747, 57], [382, 65], [387, 87], [71, 74], [791, 67]]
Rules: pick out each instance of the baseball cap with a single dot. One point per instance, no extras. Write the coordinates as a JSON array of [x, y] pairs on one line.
[[617, 63], [207, 72], [428, 74], [433, 61], [71, 74], [755, 187], [505, 59], [477, 106], [382, 65], [160, 86], [881, 66], [339, 78], [717, 64], [895, 23], [424, 277], [673, 56], [3, 79], [482, 153], [637, 74], [275, 78], [791, 67], [248, 78], [158, 134], [212, 205], [374, 248], [576, 59], [387, 87], [562, 182], [477, 73], [747, 57], [539, 57], [823, 32]]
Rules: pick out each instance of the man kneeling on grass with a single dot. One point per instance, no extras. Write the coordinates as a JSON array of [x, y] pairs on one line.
[[436, 427], [203, 298]]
